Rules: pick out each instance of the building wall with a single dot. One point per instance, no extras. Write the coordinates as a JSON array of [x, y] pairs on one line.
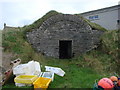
[[106, 17]]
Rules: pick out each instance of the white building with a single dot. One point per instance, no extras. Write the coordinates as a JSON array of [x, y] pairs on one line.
[[108, 18]]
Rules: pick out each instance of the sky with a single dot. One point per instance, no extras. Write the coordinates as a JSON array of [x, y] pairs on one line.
[[24, 12]]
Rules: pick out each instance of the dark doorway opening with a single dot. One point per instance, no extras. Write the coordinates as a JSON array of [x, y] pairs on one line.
[[65, 49]]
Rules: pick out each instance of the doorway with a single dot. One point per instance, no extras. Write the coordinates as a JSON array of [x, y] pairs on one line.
[[65, 49]]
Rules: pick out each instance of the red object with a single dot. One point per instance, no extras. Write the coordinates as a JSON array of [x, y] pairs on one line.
[[119, 82], [106, 83]]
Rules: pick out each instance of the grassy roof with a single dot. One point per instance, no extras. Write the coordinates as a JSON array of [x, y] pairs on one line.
[[39, 22], [93, 25]]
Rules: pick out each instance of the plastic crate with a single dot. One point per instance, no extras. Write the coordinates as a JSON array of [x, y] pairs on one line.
[[42, 83], [26, 79], [48, 75]]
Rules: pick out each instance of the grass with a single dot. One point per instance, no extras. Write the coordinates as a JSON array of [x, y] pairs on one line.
[[95, 26], [110, 45], [75, 77], [110, 41], [14, 42]]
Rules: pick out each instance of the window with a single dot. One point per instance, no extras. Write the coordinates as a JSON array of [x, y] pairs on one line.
[[118, 21]]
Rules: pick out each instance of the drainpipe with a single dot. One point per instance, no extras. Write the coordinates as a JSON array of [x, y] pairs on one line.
[[118, 22], [118, 30]]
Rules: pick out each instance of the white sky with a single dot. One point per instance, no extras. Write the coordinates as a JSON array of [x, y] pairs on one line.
[[24, 12]]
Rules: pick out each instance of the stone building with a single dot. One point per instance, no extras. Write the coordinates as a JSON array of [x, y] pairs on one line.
[[6, 27], [64, 36]]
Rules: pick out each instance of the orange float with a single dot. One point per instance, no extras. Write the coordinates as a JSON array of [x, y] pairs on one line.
[[106, 83], [114, 78]]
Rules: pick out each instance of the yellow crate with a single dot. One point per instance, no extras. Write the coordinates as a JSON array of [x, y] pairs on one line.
[[42, 82], [26, 79]]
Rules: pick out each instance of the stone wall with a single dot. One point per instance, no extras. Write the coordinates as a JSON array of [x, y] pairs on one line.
[[64, 27]]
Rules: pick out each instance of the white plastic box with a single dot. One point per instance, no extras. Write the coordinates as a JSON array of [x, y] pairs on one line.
[[55, 70]]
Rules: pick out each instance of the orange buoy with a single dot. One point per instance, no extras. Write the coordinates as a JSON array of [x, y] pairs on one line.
[[114, 78], [106, 83]]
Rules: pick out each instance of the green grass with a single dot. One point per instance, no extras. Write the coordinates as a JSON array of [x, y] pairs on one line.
[[95, 26], [110, 41], [110, 45], [75, 77], [14, 42]]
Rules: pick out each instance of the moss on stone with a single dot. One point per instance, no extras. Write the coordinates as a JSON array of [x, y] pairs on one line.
[[39, 22], [95, 26]]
